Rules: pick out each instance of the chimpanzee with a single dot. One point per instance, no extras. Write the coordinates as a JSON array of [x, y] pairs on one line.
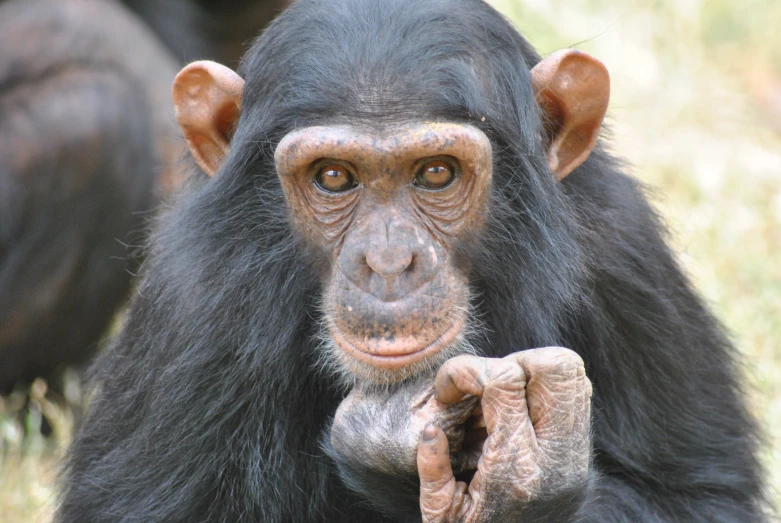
[[361, 316], [214, 29], [87, 137]]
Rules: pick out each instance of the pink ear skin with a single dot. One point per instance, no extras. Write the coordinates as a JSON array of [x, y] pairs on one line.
[[573, 90], [207, 104]]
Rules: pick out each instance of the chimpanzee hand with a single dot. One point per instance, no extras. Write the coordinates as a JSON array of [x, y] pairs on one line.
[[530, 447], [535, 459]]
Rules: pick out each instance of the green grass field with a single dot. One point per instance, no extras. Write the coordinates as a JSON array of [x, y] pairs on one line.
[[696, 109]]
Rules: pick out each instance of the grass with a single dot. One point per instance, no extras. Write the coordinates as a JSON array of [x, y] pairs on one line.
[[29, 461], [696, 108]]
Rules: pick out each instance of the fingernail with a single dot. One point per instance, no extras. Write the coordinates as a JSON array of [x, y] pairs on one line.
[[430, 433]]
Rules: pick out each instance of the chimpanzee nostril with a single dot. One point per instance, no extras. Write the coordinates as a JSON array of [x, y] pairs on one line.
[[412, 263]]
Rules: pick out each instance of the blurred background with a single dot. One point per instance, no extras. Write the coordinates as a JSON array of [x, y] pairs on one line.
[[695, 109]]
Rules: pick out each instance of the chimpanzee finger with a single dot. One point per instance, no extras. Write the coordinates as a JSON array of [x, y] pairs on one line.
[[501, 385], [438, 486], [558, 395], [460, 377]]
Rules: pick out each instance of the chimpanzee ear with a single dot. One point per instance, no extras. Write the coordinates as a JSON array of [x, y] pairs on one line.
[[573, 89], [207, 104]]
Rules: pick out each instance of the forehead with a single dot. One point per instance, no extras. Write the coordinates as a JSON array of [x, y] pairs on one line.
[[403, 142]]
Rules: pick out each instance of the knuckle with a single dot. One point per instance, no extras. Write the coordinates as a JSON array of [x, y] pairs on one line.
[[467, 379], [505, 373], [555, 354], [554, 363], [467, 382]]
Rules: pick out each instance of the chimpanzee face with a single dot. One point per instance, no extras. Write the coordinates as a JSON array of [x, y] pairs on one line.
[[387, 209]]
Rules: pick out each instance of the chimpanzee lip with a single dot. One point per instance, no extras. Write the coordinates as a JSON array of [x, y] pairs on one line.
[[395, 360]]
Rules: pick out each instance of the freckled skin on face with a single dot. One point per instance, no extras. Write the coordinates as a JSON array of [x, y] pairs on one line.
[[389, 207]]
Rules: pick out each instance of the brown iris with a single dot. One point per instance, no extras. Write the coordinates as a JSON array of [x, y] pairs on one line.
[[335, 178], [435, 175]]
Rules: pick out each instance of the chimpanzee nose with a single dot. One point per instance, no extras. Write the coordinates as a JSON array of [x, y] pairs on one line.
[[389, 258]]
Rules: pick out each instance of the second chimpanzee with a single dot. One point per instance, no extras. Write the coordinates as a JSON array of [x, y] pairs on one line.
[[360, 316], [88, 143]]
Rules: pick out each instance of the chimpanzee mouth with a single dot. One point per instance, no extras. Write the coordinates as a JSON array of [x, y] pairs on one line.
[[397, 354]]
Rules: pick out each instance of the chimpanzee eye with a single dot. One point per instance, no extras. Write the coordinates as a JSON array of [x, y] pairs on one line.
[[335, 178], [435, 175]]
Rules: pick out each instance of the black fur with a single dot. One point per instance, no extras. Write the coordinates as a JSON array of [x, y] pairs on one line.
[[209, 406]]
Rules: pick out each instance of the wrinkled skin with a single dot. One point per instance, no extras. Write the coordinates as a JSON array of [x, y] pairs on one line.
[[397, 297], [535, 408]]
